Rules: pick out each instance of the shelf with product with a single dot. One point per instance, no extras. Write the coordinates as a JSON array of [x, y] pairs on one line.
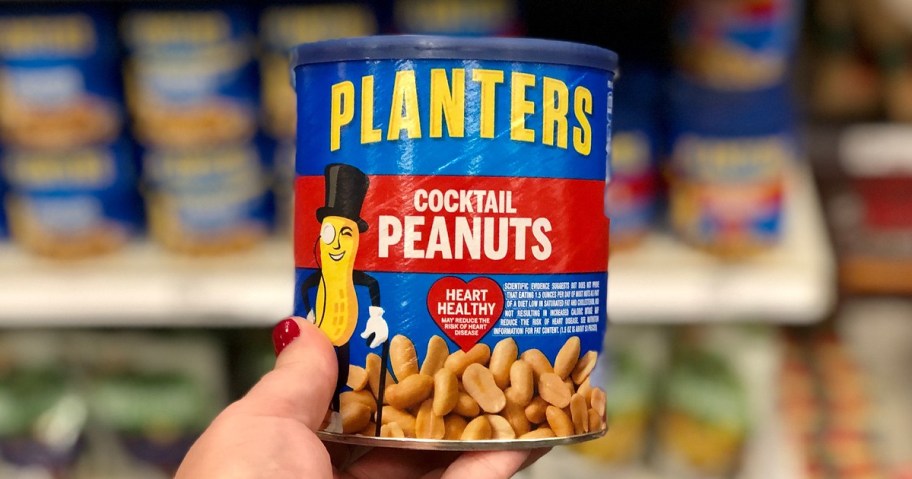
[[666, 281]]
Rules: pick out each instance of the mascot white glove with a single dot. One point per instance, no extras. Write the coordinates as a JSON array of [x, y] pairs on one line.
[[377, 326]]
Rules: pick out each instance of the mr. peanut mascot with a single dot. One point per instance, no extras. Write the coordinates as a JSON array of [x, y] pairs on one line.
[[336, 311]]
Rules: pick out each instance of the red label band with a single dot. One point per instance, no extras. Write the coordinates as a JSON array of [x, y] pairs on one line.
[[467, 224]]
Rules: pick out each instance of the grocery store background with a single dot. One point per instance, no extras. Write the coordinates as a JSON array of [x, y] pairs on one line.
[[761, 207]]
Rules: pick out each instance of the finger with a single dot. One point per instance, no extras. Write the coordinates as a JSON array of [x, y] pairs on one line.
[[401, 464], [486, 465], [301, 384], [534, 456]]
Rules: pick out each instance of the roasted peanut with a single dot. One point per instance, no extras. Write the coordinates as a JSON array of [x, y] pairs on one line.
[[515, 414], [372, 366], [454, 425], [558, 421], [466, 406], [585, 366], [502, 358], [567, 357], [446, 392], [585, 388], [553, 390], [579, 414], [410, 391], [405, 420], [540, 433], [355, 417], [500, 427], [478, 429], [403, 358], [427, 424], [479, 383], [362, 397], [522, 386], [595, 421], [568, 383], [598, 401], [460, 360], [357, 377], [539, 363], [392, 429], [535, 411], [437, 354]]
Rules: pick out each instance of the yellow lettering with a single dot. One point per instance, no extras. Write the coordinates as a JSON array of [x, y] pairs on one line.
[[447, 103], [582, 134], [554, 112], [404, 110], [520, 107], [488, 80], [342, 110], [369, 134]]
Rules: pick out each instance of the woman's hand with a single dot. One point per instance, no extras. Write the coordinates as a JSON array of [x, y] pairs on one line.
[[270, 432]]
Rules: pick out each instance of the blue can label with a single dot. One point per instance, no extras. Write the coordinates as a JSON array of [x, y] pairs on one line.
[[73, 202], [56, 82], [207, 200], [450, 228], [192, 86]]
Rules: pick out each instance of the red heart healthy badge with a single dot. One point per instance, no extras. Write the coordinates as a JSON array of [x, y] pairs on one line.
[[465, 312]]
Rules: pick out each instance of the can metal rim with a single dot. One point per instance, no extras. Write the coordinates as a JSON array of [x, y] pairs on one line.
[[431, 47], [453, 445]]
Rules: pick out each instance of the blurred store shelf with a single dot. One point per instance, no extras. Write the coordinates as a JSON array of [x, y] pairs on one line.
[[145, 286], [666, 281]]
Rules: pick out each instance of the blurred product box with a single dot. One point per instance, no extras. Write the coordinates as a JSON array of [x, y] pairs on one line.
[[862, 60], [154, 395], [705, 418], [206, 201], [4, 227], [732, 122], [57, 87], [284, 26], [104, 405], [72, 203], [826, 403], [458, 17], [42, 417], [189, 76], [632, 195]]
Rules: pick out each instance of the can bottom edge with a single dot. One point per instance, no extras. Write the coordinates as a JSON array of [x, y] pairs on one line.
[[452, 445]]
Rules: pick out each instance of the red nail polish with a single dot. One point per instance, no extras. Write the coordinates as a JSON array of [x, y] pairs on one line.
[[284, 333]]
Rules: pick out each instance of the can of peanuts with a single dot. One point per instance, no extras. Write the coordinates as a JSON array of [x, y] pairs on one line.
[[450, 236]]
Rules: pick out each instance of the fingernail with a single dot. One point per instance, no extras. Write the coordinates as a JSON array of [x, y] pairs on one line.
[[284, 333]]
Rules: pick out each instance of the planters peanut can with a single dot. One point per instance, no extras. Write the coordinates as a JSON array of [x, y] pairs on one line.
[[450, 237]]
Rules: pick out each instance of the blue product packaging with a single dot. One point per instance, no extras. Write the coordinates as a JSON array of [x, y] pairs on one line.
[[632, 197], [450, 236], [730, 153], [207, 201], [59, 86], [72, 203], [190, 77], [282, 27]]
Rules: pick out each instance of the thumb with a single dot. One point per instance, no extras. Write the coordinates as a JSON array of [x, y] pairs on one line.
[[303, 380]]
